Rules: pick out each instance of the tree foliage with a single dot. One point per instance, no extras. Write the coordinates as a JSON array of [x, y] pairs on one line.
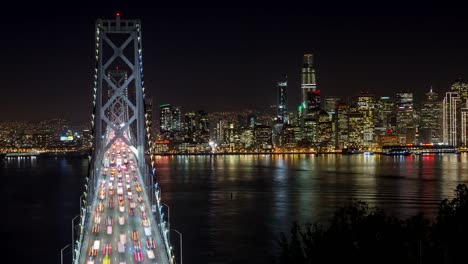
[[360, 234]]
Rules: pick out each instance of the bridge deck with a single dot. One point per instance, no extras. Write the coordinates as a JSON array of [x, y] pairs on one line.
[[100, 214]]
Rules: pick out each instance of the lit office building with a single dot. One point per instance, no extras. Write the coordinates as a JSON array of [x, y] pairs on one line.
[[263, 137], [449, 118], [330, 104], [355, 128], [176, 119], [464, 125], [165, 120], [461, 87], [404, 117], [384, 115], [431, 119], [366, 107], [282, 114], [325, 130], [169, 122], [311, 120], [341, 124], [308, 83]]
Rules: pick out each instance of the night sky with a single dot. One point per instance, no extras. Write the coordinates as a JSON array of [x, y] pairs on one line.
[[231, 58]]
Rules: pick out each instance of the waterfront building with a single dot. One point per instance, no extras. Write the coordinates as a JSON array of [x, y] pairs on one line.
[[464, 124], [263, 137], [355, 128], [247, 138], [325, 129], [341, 124], [450, 117], [366, 108], [404, 109], [431, 119]]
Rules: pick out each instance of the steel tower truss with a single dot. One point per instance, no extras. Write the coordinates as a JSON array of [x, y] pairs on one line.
[[118, 85]]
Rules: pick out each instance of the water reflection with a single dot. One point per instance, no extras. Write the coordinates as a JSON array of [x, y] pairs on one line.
[[228, 204], [20, 162]]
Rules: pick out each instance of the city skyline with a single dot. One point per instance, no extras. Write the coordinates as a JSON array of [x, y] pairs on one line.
[[242, 53]]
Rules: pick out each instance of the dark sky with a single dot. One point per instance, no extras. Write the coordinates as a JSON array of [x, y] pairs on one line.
[[231, 58]]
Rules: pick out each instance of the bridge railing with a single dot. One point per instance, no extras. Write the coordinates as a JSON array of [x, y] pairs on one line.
[[163, 226], [89, 192]]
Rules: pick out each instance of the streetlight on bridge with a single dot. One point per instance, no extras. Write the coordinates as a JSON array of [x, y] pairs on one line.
[[73, 233], [61, 253], [180, 244]]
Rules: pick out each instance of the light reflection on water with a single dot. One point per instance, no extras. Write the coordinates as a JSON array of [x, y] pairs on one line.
[[269, 192]]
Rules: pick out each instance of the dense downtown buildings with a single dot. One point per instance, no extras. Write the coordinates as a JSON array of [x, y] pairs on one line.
[[319, 123]]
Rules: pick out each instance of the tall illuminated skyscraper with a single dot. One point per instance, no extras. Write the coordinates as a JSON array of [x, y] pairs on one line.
[[464, 125], [449, 118], [282, 115], [405, 117], [430, 119], [308, 83], [366, 107]]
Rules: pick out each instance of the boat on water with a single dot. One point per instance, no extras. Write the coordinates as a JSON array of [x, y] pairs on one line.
[[397, 152], [368, 153]]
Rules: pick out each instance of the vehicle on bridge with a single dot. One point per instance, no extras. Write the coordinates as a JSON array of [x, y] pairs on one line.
[[110, 203], [100, 207], [102, 194], [150, 253], [121, 220], [135, 235], [150, 243], [96, 228], [93, 249], [107, 250], [146, 222], [121, 243], [106, 260], [97, 218], [109, 224], [138, 255], [147, 231]]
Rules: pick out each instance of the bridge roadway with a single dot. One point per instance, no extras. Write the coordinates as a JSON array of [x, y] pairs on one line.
[[100, 208]]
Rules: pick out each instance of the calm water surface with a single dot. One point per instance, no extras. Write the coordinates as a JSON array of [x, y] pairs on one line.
[[230, 209]]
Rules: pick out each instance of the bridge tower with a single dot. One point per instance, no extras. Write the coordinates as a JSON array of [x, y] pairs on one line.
[[118, 86], [119, 114]]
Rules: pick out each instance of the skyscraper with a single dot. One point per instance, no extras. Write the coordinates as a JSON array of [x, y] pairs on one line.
[[366, 107], [282, 114], [165, 118], [464, 125], [308, 83], [449, 118], [330, 104], [341, 124], [461, 87], [384, 116], [430, 121], [169, 122], [405, 117]]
